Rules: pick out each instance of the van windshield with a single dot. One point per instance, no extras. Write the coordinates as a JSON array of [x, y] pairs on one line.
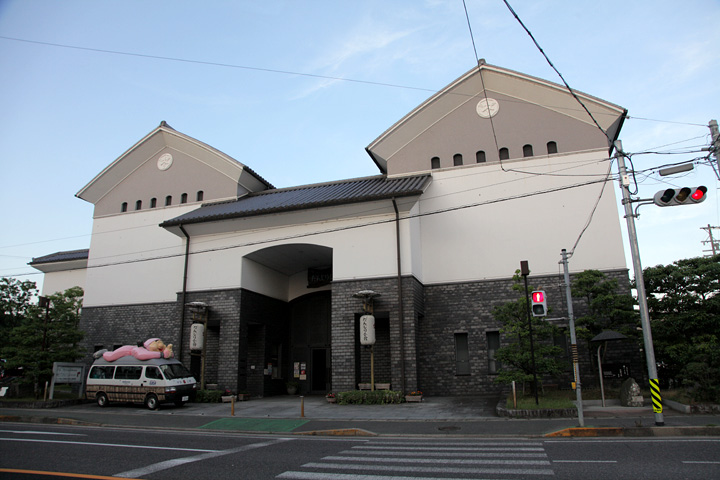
[[175, 370]]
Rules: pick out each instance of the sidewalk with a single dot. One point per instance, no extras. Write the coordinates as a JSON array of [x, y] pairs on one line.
[[446, 416]]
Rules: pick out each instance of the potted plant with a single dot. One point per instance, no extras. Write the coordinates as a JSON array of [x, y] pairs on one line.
[[227, 396], [331, 398], [415, 396], [292, 386], [243, 396]]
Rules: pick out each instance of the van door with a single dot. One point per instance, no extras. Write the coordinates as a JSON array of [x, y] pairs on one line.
[[128, 387]]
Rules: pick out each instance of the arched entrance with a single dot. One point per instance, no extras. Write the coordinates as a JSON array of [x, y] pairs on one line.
[[296, 344], [310, 342]]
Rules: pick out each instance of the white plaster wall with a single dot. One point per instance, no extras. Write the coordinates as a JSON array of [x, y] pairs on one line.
[[368, 251], [54, 282], [467, 226], [491, 239], [132, 260], [260, 279]]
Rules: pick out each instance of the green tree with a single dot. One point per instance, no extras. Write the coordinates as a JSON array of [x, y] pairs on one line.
[[15, 299], [515, 358], [44, 336], [684, 310], [607, 308]]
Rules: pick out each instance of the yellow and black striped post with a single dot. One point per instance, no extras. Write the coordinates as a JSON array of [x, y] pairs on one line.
[[655, 394]]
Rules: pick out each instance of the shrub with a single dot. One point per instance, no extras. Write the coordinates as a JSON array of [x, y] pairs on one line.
[[369, 397], [209, 396]]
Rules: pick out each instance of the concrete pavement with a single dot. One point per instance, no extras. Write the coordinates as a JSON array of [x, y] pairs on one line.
[[442, 416]]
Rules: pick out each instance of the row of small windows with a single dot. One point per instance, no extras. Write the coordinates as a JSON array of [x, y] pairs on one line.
[[168, 201], [503, 153]]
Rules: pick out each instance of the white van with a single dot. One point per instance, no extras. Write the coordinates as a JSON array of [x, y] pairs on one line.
[[151, 382]]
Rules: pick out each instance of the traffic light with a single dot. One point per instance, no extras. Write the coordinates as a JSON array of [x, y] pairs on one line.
[[539, 303], [680, 196]]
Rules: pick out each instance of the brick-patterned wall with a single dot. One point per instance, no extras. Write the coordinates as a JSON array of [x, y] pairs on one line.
[[432, 314], [467, 308], [346, 355], [128, 324]]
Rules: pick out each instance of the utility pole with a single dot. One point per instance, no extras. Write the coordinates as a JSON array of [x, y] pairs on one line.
[[640, 285], [525, 271], [715, 134], [713, 244], [573, 340]]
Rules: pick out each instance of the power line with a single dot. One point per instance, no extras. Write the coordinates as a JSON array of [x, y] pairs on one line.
[[349, 227], [216, 64], [572, 92]]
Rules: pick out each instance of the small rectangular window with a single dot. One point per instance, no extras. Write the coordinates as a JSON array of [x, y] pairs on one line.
[[462, 354], [128, 373], [493, 341]]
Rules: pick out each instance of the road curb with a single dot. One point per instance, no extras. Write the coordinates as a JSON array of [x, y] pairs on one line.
[[347, 432], [692, 431], [46, 420]]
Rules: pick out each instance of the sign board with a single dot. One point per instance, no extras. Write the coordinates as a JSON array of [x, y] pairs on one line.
[[68, 373], [367, 330], [197, 333]]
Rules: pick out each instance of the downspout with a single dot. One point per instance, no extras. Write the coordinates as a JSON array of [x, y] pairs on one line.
[[184, 290], [401, 312]]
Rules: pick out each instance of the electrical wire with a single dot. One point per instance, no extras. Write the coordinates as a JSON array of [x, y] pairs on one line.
[[572, 92], [482, 82], [346, 227], [592, 213]]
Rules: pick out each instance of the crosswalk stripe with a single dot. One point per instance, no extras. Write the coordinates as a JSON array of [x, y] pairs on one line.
[[445, 454], [453, 449], [449, 461], [405, 468]]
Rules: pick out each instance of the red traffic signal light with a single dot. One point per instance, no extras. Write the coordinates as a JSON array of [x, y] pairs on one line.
[[539, 303], [683, 196]]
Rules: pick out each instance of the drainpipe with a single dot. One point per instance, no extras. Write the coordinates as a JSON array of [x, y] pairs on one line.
[[401, 312], [184, 290]]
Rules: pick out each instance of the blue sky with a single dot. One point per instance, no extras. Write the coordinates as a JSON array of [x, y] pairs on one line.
[[297, 90]]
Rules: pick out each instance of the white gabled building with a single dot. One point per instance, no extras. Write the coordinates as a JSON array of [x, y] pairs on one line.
[[497, 168]]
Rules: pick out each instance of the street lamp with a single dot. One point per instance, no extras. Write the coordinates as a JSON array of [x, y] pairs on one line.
[[367, 328]]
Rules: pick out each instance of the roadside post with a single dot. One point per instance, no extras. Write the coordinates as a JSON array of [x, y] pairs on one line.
[[525, 271]]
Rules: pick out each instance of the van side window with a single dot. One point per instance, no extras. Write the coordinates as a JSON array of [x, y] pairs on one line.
[[153, 372], [102, 372], [128, 373]]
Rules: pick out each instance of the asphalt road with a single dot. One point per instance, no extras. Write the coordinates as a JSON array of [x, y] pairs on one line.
[[101, 452]]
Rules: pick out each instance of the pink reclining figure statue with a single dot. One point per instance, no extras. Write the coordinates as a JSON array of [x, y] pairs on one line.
[[152, 348]]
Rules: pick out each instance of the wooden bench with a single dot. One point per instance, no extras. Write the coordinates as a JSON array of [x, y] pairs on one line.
[[378, 386]]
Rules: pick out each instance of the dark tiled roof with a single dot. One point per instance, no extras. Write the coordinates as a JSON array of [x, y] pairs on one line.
[[62, 257], [304, 197]]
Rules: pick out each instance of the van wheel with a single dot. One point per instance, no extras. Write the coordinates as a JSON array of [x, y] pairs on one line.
[[101, 399], [151, 402]]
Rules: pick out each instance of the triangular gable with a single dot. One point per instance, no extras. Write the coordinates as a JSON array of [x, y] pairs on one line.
[[512, 89], [165, 137]]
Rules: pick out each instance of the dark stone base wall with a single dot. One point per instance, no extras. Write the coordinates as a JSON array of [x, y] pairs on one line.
[[347, 357], [119, 325], [243, 325]]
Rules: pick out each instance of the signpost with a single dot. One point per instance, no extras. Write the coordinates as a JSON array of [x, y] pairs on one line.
[[72, 373]]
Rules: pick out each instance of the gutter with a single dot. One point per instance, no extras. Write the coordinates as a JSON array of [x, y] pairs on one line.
[[184, 289], [401, 311]]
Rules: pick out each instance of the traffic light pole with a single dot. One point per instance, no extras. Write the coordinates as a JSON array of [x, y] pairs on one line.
[[640, 285], [573, 341]]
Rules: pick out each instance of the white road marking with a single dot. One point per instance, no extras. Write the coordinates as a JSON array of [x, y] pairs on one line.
[[114, 445], [156, 467], [467, 461], [444, 454], [584, 461], [33, 432]]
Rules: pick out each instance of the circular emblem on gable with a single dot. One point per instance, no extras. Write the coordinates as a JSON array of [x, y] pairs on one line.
[[487, 107], [164, 161]]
